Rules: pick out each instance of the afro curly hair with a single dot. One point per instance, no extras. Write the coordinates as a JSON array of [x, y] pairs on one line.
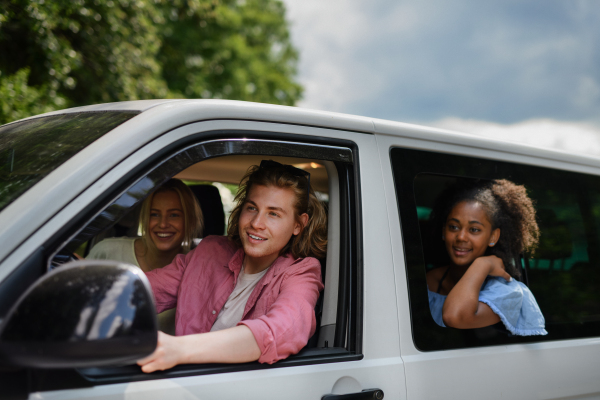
[[508, 207]]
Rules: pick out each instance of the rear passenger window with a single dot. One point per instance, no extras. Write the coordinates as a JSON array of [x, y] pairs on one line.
[[563, 273]]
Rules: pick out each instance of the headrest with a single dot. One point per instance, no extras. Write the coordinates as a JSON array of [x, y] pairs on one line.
[[212, 208]]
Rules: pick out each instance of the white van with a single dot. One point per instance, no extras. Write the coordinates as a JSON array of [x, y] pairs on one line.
[[73, 177]]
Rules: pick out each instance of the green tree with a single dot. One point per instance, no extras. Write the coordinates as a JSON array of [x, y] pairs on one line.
[[232, 50], [20, 100], [83, 50], [66, 53]]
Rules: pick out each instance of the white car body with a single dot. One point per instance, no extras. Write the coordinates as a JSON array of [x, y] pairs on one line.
[[390, 360]]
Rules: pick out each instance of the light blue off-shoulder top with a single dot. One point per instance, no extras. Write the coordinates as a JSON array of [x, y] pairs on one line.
[[512, 301]]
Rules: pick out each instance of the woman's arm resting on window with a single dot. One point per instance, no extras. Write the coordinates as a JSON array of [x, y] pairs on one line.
[[462, 308], [233, 345]]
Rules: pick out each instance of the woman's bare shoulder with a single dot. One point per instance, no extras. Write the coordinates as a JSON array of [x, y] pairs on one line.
[[434, 277]]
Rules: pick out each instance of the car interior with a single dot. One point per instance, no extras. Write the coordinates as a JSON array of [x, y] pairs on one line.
[[206, 180]]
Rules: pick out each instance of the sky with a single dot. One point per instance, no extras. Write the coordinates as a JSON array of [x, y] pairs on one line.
[[524, 71]]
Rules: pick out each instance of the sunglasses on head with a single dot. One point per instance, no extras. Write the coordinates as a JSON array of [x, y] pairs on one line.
[[300, 173]]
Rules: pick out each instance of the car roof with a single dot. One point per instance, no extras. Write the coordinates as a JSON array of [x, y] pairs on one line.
[[184, 111], [156, 117]]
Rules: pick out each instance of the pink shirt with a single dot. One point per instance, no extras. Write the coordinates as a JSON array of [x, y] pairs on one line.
[[279, 312]]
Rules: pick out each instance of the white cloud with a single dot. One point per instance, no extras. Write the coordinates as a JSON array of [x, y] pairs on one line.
[[327, 34], [575, 137], [426, 60], [532, 68]]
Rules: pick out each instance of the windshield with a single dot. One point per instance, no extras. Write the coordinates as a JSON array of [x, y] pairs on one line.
[[30, 150]]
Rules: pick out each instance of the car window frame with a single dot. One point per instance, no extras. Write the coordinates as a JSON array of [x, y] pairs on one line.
[[350, 289], [407, 164]]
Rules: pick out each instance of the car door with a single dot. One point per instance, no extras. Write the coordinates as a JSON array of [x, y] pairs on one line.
[[358, 348], [486, 362]]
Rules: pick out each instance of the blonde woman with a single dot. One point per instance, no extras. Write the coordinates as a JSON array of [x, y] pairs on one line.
[[170, 219]]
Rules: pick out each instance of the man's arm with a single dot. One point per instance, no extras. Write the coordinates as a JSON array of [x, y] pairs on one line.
[[232, 345]]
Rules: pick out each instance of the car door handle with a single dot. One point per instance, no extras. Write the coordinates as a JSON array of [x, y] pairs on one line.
[[367, 394]]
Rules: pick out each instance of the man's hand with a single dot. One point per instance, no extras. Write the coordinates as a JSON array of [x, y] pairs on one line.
[[232, 345], [167, 354]]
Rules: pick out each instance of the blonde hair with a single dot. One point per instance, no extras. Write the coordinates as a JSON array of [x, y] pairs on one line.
[[192, 214], [312, 239]]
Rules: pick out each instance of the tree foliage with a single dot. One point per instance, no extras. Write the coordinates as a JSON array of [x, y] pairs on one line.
[[64, 53]]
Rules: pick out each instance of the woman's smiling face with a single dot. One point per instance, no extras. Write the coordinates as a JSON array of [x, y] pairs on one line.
[[468, 232], [166, 226]]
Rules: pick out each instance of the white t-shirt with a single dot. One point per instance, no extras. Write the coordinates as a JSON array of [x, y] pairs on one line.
[[233, 310], [118, 249]]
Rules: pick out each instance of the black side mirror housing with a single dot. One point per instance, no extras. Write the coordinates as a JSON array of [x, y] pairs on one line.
[[88, 313]]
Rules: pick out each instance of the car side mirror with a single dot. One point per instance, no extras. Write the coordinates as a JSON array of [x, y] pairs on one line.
[[88, 313]]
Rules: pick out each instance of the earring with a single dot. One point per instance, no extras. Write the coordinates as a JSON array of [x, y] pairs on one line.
[[491, 244]]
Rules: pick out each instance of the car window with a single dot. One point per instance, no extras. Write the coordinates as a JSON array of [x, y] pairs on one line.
[[31, 149], [207, 163], [561, 273]]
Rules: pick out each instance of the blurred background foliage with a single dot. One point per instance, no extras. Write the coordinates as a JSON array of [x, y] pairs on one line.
[[65, 53]]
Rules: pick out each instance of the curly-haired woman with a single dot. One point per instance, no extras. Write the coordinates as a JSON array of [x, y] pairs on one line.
[[484, 227]]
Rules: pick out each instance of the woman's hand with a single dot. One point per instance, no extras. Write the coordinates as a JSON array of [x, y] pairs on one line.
[[495, 266], [167, 354]]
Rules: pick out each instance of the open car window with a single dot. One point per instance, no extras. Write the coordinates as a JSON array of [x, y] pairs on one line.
[[214, 182], [561, 273], [221, 163]]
